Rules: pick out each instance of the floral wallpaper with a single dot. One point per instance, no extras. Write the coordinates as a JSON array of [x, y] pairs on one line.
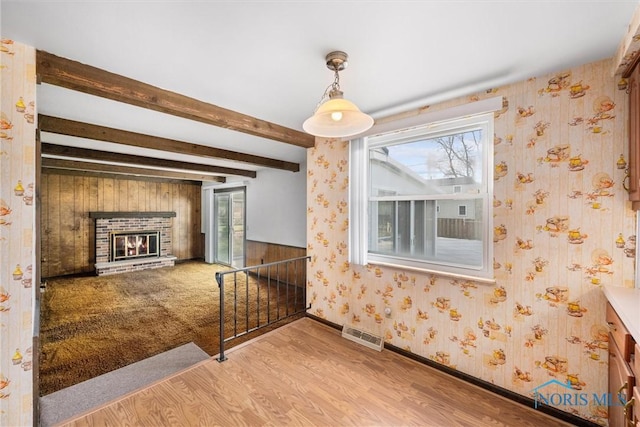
[[17, 236], [562, 229], [629, 47]]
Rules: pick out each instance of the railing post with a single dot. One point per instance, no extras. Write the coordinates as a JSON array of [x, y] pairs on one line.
[[220, 280]]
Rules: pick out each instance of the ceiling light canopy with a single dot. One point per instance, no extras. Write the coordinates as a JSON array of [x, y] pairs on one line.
[[336, 117]]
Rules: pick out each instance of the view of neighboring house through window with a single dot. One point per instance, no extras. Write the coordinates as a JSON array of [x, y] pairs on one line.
[[428, 194]]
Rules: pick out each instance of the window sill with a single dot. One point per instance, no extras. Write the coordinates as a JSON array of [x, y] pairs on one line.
[[477, 279]]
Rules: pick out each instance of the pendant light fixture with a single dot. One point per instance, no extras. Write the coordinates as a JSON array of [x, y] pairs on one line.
[[336, 117]]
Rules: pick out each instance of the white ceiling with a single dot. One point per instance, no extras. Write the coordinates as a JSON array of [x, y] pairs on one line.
[[266, 58]]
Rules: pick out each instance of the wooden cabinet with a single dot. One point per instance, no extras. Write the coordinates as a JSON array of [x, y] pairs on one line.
[[633, 178], [620, 334], [636, 406], [621, 376], [621, 385]]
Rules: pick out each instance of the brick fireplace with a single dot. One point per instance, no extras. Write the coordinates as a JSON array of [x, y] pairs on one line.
[[131, 241]]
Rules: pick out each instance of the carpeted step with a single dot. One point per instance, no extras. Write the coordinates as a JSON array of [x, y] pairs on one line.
[[71, 401]]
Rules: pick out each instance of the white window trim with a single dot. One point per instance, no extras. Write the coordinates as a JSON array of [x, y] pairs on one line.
[[488, 105], [358, 215], [358, 193]]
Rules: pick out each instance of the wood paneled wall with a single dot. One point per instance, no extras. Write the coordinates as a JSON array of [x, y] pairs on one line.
[[262, 253], [67, 232]]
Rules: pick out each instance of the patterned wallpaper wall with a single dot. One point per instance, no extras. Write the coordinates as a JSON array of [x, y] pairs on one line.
[[17, 236], [562, 230]]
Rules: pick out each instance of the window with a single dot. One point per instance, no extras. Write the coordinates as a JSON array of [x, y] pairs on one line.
[[421, 197]]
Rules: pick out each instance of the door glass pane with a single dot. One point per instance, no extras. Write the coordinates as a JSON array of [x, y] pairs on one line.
[[237, 221], [222, 229], [229, 209]]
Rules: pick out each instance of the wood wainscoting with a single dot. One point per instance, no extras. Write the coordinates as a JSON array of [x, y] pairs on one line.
[[67, 233], [263, 253]]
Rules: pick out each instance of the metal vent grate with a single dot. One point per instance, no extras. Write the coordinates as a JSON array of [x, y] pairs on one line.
[[361, 337]]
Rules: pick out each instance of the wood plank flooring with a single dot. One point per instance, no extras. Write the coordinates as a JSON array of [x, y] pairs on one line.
[[306, 374]]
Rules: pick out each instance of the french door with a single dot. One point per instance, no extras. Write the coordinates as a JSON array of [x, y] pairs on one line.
[[229, 219]]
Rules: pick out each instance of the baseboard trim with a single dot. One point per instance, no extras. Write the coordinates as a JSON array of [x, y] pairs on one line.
[[527, 401]]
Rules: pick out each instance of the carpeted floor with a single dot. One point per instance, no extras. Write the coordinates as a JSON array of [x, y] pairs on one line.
[[93, 325]]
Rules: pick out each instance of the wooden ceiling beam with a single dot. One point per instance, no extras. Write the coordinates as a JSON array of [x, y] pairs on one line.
[[106, 134], [74, 75], [84, 173], [62, 164], [107, 156]]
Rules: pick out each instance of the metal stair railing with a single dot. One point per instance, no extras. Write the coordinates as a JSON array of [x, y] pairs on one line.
[[262, 295]]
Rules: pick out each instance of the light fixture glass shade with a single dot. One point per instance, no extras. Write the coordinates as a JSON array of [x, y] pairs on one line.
[[337, 118]]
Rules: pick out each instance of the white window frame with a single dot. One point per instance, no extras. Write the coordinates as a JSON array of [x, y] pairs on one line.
[[460, 211], [359, 189]]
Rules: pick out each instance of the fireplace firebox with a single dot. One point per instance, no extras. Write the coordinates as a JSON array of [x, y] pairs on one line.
[[130, 245]]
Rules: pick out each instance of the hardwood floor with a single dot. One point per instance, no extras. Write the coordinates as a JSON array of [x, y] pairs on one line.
[[305, 373]]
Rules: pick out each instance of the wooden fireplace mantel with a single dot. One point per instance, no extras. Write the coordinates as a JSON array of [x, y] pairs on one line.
[[146, 214]]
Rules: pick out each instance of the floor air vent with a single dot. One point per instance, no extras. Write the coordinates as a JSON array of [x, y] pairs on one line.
[[362, 337]]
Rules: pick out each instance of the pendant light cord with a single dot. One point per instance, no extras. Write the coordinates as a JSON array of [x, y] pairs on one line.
[[335, 86]]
